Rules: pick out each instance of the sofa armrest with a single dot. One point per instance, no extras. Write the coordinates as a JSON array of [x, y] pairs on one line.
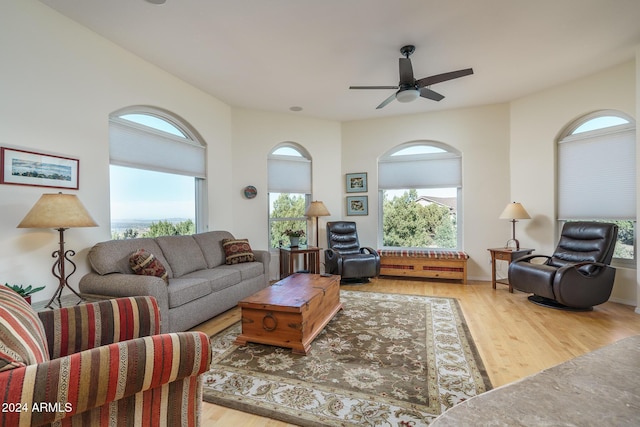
[[265, 258], [73, 329], [98, 376], [116, 285]]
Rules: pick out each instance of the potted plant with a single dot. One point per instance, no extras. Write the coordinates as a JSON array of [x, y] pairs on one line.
[[294, 237], [24, 292]]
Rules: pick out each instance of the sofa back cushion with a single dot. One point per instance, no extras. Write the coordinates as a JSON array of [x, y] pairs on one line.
[[211, 245], [113, 256], [22, 338], [183, 253]]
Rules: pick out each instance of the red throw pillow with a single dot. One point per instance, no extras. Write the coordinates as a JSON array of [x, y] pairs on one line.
[[146, 264], [237, 251]]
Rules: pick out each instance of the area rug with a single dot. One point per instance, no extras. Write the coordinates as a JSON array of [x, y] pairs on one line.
[[385, 360]]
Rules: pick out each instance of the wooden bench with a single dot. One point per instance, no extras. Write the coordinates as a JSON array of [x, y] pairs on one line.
[[426, 263]]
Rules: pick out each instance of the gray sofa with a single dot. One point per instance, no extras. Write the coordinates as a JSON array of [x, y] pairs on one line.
[[200, 286]]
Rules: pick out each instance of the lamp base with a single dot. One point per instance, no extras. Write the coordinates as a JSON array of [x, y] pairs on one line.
[[515, 242], [58, 271]]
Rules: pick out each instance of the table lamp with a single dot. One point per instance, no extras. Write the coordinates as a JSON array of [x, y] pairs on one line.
[[59, 211], [513, 212], [317, 209]]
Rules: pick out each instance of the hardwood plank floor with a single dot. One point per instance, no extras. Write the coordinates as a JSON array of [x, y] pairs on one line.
[[515, 338]]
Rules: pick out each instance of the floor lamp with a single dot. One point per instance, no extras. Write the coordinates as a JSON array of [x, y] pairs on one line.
[[514, 211], [317, 209], [59, 211]]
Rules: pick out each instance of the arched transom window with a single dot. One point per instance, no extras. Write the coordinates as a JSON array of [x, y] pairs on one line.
[[420, 186]]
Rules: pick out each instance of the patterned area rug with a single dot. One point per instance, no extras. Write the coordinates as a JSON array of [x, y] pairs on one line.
[[385, 360]]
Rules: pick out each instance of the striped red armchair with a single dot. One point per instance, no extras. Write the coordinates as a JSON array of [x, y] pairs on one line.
[[97, 364]]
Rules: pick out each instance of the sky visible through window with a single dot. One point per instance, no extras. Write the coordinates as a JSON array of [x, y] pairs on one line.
[[133, 198], [144, 195]]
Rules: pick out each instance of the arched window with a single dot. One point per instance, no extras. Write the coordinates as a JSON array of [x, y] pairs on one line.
[[157, 174], [420, 187], [289, 187], [597, 176]]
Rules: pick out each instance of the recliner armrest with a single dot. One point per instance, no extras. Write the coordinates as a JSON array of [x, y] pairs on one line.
[[369, 250], [332, 262], [528, 258]]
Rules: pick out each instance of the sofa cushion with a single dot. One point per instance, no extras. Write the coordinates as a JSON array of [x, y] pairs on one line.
[[183, 253], [184, 290], [211, 245], [146, 264], [247, 270], [237, 251], [22, 338], [113, 256], [218, 278]]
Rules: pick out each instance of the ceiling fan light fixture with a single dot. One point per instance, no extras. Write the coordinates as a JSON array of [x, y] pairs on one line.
[[407, 95]]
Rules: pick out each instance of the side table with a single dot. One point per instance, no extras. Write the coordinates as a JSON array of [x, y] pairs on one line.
[[505, 254], [310, 258]]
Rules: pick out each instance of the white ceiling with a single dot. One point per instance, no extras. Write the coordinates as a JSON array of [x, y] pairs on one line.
[[275, 54]]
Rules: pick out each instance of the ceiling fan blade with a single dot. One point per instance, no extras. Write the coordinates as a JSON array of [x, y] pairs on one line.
[[438, 78], [386, 101], [429, 94], [374, 87], [406, 72]]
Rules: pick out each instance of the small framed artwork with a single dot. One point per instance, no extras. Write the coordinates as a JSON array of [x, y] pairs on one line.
[[357, 182], [36, 169], [357, 205]]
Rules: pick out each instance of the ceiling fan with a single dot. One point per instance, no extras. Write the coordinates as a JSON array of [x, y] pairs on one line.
[[409, 88]]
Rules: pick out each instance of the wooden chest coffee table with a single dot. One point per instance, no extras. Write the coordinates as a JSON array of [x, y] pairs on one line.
[[291, 312]]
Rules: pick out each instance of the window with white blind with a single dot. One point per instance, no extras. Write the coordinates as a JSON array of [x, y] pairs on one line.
[[420, 186], [289, 188], [596, 164], [157, 174]]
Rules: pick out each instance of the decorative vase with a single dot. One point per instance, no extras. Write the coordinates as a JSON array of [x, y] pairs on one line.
[[294, 241]]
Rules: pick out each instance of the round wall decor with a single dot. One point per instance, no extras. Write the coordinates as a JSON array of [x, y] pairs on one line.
[[250, 192]]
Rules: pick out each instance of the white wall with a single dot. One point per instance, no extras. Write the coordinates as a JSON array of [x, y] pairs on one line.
[[481, 134], [59, 84], [255, 134], [536, 122]]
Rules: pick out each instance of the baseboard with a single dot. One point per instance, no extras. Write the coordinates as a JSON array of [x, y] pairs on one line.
[[625, 302]]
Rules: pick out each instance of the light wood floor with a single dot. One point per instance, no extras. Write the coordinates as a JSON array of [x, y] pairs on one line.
[[515, 337]]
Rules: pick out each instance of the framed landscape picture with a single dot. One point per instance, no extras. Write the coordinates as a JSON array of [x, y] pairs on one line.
[[357, 205], [357, 182], [36, 169]]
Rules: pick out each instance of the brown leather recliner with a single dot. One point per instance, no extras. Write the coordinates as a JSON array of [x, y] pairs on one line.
[[345, 257], [577, 276]]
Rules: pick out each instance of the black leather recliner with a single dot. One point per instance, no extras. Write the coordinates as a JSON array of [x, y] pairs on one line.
[[577, 276], [345, 257]]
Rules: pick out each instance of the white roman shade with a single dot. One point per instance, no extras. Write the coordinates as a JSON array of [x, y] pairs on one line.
[[139, 147], [434, 171], [597, 175], [289, 175]]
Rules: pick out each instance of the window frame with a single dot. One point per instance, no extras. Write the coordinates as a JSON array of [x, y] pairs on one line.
[[447, 152], [568, 135], [302, 156], [190, 136]]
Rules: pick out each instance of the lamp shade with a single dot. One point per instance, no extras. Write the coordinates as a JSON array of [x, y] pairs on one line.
[[407, 95], [57, 211], [514, 211], [317, 208]]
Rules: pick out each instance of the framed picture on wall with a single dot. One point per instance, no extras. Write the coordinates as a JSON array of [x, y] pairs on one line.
[[357, 205], [21, 167], [357, 182]]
